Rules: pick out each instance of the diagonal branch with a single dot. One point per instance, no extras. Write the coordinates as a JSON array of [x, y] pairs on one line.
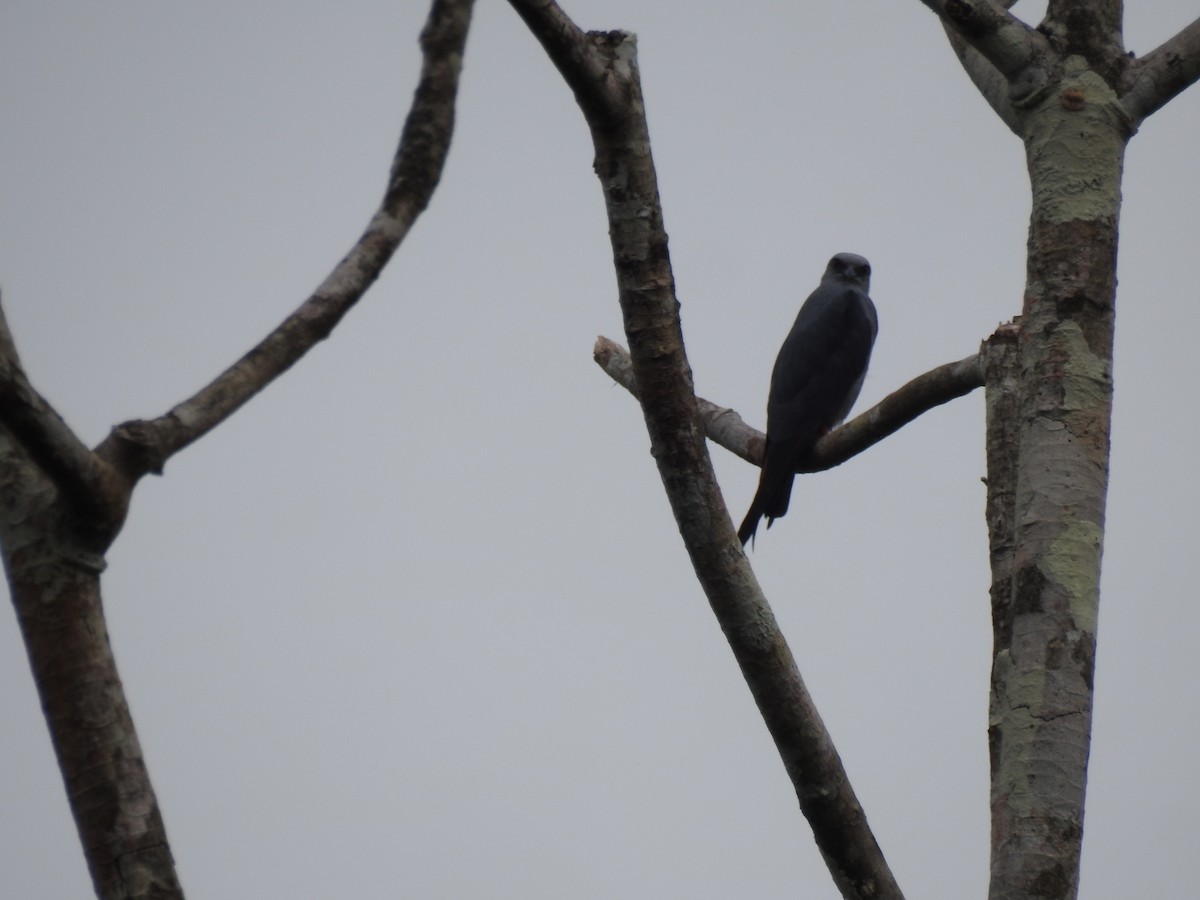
[[659, 364], [925, 392], [724, 427], [140, 447], [89, 486], [1163, 73], [989, 37], [987, 78], [992, 86], [596, 87]]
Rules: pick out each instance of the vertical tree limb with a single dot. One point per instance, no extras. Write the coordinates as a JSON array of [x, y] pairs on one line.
[[1002, 400], [1049, 418], [1090, 29], [1044, 678]]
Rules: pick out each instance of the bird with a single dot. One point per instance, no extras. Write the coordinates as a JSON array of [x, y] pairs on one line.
[[817, 377]]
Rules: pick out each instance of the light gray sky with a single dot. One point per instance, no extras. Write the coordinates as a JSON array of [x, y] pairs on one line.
[[417, 622]]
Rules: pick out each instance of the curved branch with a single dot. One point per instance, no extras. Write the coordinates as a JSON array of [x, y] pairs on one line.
[[1163, 73], [659, 365], [726, 428], [140, 447]]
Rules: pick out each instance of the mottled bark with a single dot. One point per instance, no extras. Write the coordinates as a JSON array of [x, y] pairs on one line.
[[1002, 402], [108, 787], [1044, 665], [1090, 29]]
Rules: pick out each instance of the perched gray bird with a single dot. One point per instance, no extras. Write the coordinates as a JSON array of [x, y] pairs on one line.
[[817, 377]]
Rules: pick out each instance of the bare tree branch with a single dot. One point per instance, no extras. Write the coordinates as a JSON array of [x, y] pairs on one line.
[[597, 89], [659, 364], [992, 86], [1163, 73], [90, 486], [933, 388], [1019, 54], [140, 447], [724, 427], [987, 79]]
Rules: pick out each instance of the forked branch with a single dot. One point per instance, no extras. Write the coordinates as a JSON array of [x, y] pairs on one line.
[[144, 446], [992, 85], [63, 503]]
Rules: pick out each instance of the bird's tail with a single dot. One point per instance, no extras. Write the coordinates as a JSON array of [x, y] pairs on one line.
[[750, 523], [770, 500]]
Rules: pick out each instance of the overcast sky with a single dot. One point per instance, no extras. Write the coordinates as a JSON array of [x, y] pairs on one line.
[[417, 621]]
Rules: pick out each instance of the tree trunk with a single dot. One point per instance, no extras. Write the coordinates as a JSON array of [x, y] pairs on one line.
[[54, 579], [1046, 594]]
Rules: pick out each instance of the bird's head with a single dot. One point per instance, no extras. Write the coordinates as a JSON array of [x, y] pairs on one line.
[[849, 268]]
